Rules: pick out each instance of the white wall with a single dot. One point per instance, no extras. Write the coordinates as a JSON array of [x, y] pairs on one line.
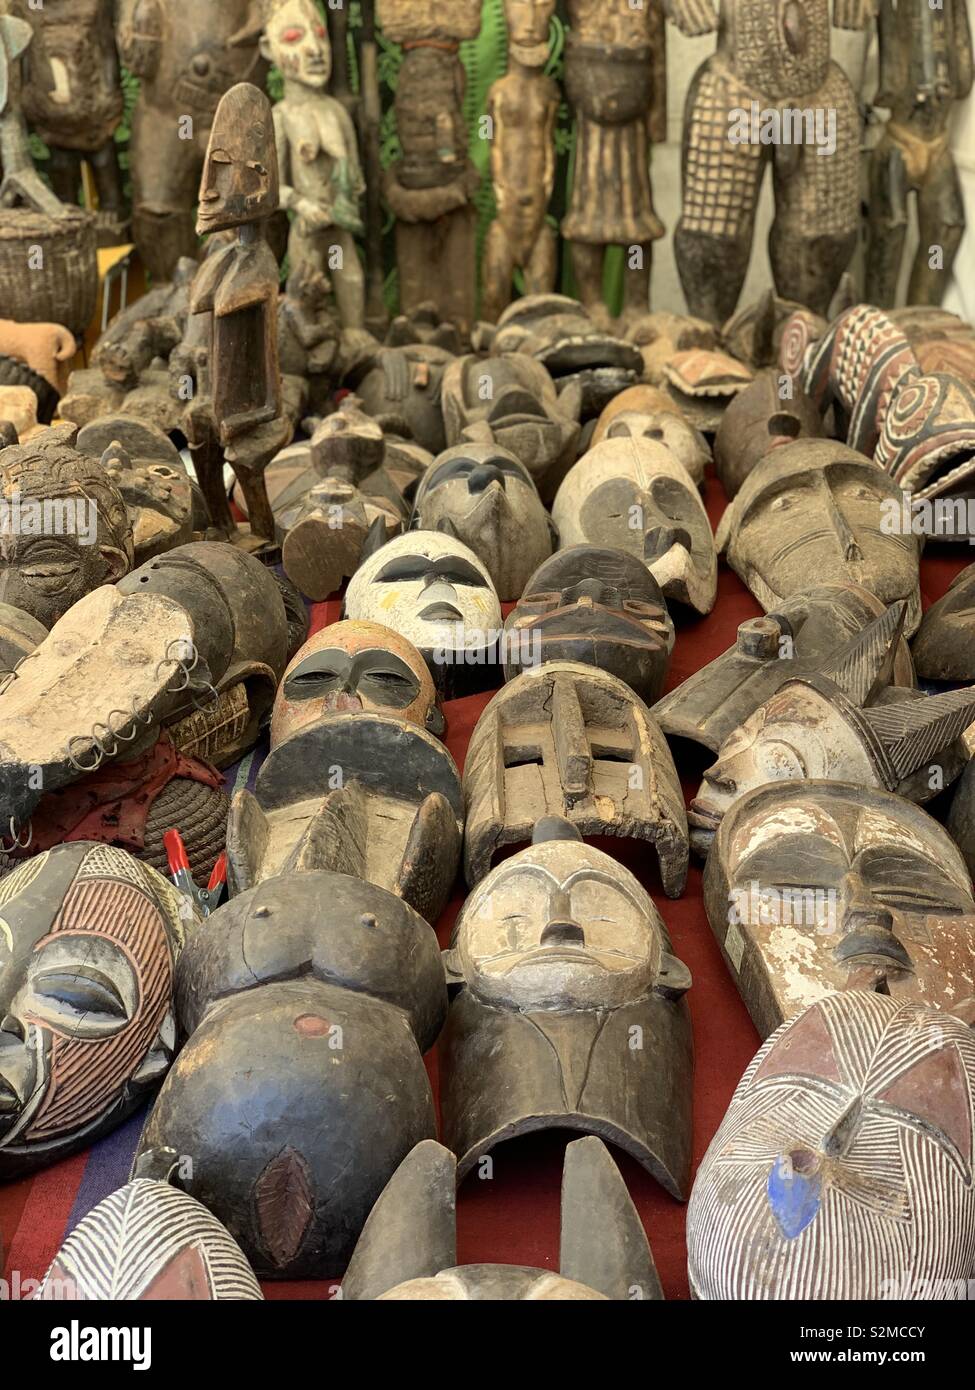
[[857, 55]]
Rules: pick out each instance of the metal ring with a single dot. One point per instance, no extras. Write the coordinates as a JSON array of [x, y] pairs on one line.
[[128, 718], [212, 698], [99, 757]]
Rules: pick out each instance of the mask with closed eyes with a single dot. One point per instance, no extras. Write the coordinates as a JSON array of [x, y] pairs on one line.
[[842, 724], [89, 939], [843, 1168], [816, 886], [355, 667], [240, 175], [482, 495], [560, 953], [432, 590], [816, 507], [632, 494]]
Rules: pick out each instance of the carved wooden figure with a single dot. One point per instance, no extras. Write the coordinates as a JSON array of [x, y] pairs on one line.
[[73, 99], [186, 57], [318, 156], [814, 887], [430, 189], [614, 78], [523, 106], [772, 61], [843, 1168], [925, 67], [238, 286]]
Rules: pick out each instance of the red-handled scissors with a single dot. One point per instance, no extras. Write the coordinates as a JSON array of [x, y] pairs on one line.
[[206, 899]]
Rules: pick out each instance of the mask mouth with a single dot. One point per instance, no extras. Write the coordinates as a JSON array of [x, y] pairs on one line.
[[441, 613]]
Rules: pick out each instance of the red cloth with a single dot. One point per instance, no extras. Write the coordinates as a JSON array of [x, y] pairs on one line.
[[513, 1218]]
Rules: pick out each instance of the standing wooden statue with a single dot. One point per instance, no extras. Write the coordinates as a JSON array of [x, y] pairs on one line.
[[186, 55], [73, 99], [523, 106], [769, 95], [238, 285], [615, 80], [925, 67], [430, 188], [318, 157]]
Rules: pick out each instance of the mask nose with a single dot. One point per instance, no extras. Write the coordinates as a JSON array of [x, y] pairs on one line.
[[660, 539], [841, 528], [481, 478], [566, 933], [868, 928]]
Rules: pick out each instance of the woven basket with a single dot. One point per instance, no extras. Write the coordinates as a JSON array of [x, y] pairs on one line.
[[64, 289], [199, 813]]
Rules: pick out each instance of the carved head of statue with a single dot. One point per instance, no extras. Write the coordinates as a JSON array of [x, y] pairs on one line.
[[240, 176], [64, 529], [296, 41], [528, 21]]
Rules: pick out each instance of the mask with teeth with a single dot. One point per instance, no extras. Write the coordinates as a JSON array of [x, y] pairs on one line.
[[89, 939], [595, 606], [632, 494]]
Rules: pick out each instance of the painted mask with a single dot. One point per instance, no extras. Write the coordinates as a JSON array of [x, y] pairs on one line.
[[307, 1006], [570, 741], [349, 667], [68, 530], [361, 793], [814, 887], [598, 608], [817, 508], [631, 494], [482, 495], [408, 1247], [559, 952], [149, 1242], [240, 176], [433, 590], [89, 939], [828, 727], [843, 1168]]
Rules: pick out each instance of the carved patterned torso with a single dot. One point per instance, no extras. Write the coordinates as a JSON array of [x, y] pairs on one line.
[[779, 47]]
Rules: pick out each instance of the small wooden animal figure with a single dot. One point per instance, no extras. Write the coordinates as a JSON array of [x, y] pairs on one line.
[[318, 157], [523, 106]]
